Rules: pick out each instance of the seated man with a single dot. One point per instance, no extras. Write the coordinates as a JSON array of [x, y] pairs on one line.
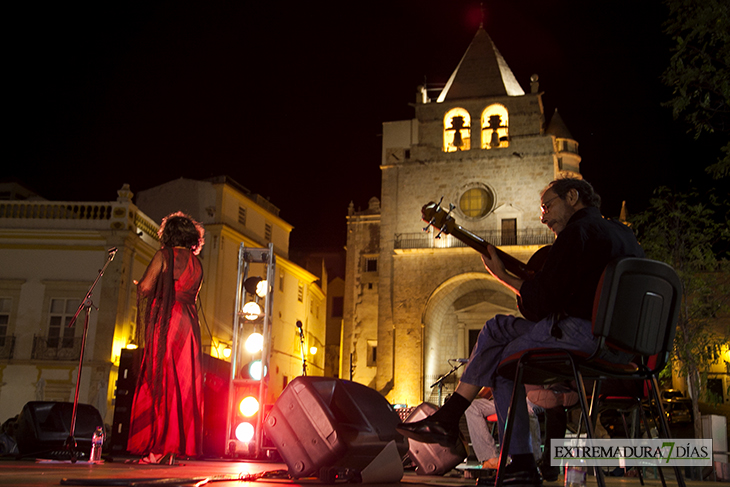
[[561, 295], [481, 437]]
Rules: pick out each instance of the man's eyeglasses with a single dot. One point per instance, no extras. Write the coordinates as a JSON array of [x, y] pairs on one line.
[[545, 207]]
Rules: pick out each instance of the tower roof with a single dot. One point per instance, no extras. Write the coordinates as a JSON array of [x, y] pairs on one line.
[[558, 128], [482, 72]]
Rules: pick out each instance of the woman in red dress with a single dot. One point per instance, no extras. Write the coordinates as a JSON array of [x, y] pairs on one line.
[[167, 412]]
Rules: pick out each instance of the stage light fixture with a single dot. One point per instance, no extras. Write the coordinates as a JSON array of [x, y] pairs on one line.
[[249, 406], [256, 286], [254, 342], [251, 310], [245, 432]]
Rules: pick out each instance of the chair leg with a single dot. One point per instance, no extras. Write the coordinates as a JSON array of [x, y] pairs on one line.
[[585, 413], [506, 437], [648, 434], [628, 432], [635, 433], [665, 426]]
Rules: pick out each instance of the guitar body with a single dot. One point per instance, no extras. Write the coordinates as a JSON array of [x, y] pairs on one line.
[[435, 216], [536, 263]]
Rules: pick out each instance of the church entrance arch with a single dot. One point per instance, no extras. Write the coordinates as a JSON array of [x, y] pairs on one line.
[[456, 309]]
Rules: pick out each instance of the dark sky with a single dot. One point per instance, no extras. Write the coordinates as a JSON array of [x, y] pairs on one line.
[[288, 98]]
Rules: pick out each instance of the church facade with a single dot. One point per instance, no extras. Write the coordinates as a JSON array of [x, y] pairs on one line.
[[416, 300]]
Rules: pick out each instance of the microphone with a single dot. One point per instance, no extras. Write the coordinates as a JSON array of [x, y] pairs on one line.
[[460, 360], [112, 252]]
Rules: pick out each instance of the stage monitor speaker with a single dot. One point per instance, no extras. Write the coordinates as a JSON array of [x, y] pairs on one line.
[[432, 458], [319, 424], [44, 426]]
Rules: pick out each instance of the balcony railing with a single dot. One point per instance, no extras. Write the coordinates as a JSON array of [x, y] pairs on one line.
[[7, 345], [426, 240], [56, 210], [56, 348]]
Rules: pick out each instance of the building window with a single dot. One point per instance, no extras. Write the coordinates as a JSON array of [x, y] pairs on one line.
[[300, 293], [372, 358], [495, 127], [476, 202], [566, 145], [242, 215], [370, 264], [457, 124], [60, 335], [267, 232], [5, 307], [338, 306]]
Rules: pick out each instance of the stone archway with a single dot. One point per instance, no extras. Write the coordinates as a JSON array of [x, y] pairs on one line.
[[462, 303]]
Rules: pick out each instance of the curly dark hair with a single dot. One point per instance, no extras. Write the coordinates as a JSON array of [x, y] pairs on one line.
[[586, 193], [181, 230]]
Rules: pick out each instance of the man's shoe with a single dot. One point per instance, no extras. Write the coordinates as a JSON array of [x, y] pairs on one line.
[[549, 472], [429, 431], [512, 477]]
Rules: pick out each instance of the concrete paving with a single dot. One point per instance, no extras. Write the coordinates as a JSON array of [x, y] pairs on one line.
[[224, 473]]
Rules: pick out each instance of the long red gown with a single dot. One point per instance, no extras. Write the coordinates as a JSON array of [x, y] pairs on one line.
[[167, 412]]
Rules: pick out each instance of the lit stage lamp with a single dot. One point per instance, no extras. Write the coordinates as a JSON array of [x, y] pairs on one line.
[[256, 286], [254, 342], [251, 310]]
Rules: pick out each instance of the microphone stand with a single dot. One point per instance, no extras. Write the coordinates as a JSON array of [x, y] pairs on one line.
[[440, 381], [86, 305]]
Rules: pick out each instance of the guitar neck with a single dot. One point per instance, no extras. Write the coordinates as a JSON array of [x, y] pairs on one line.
[[513, 265]]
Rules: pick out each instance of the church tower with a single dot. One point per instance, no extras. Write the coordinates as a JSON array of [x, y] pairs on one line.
[[414, 302]]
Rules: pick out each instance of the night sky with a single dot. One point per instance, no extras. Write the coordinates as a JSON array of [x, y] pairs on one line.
[[288, 98]]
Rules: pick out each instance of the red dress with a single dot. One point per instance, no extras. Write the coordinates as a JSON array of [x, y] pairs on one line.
[[167, 412]]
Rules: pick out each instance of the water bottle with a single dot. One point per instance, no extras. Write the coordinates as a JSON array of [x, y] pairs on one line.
[[575, 476], [97, 440]]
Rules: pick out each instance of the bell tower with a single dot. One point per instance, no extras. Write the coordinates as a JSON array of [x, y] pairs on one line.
[[482, 145]]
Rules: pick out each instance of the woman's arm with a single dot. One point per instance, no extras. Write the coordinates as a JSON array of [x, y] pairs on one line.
[[147, 285]]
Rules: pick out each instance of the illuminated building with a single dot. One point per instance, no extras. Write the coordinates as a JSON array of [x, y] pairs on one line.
[[412, 302], [51, 252]]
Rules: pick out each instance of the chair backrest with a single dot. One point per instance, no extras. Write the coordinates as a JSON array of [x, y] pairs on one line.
[[637, 306]]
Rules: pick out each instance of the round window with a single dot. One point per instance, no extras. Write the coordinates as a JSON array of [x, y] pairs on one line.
[[476, 202]]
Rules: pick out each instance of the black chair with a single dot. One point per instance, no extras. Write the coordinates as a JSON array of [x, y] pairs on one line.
[[635, 310]]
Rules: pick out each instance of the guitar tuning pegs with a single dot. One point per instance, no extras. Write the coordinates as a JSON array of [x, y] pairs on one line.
[[425, 229], [441, 230]]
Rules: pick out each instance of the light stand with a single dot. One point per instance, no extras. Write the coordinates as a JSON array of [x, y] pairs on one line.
[[301, 341], [86, 305]]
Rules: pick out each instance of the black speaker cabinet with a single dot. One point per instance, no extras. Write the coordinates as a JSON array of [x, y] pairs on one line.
[[129, 361], [215, 405], [44, 426], [319, 423], [432, 458]]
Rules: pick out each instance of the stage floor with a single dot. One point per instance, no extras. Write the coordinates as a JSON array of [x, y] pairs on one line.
[[32, 473]]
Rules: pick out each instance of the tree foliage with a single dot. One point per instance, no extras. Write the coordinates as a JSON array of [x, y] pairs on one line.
[[687, 232], [699, 70]]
